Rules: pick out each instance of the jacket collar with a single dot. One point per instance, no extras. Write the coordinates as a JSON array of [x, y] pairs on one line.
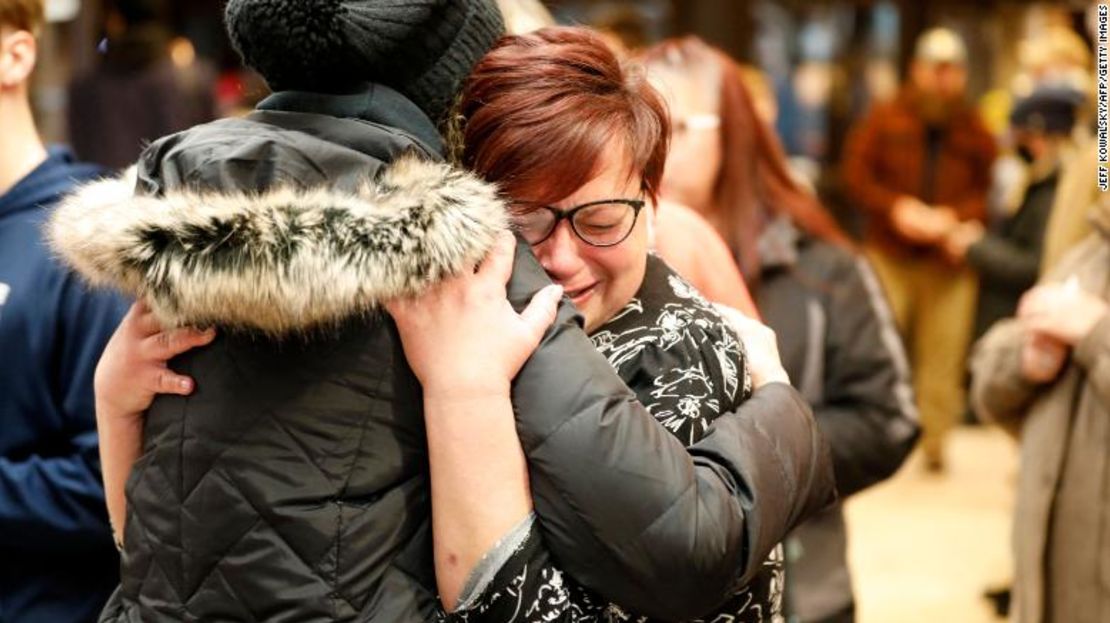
[[375, 103]]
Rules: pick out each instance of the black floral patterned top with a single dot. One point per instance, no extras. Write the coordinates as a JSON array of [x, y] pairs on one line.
[[683, 361]]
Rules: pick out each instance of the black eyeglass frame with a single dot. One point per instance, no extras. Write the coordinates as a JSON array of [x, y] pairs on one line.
[[636, 204]]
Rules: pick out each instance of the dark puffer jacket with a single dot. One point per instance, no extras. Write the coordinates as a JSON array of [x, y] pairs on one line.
[[292, 486], [842, 350]]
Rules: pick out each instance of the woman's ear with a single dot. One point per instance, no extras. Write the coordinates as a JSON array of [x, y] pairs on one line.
[[17, 57], [650, 217]]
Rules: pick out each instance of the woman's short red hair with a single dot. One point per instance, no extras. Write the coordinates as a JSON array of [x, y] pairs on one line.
[[540, 109]]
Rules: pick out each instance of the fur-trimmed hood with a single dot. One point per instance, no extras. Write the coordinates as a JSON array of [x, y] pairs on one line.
[[284, 260]]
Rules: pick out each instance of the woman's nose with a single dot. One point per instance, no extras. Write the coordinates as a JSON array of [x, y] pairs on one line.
[[558, 255]]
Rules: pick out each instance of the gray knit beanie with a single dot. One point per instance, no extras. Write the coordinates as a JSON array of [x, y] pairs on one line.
[[422, 48]]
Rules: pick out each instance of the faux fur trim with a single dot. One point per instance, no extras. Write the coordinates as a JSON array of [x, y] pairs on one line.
[[282, 261]]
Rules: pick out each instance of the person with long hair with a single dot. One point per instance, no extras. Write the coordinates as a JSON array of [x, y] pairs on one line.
[[835, 332]]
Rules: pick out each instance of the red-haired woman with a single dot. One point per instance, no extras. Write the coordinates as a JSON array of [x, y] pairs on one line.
[[577, 142], [835, 332]]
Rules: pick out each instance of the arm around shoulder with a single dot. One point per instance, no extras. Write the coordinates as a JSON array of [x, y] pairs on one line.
[[622, 503]]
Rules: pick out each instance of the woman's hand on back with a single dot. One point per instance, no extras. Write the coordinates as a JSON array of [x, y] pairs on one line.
[[761, 345], [462, 338], [132, 370]]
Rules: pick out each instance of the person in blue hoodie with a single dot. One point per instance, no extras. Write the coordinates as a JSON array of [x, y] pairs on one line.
[[57, 560]]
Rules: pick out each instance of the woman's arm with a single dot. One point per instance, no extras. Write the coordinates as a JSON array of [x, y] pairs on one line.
[[478, 472], [471, 439], [621, 502], [132, 370]]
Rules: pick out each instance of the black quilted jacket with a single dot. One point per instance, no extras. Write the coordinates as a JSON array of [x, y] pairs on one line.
[[292, 486]]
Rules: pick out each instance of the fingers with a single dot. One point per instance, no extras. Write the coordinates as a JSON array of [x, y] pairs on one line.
[[1042, 358], [166, 345], [1026, 303], [498, 264], [728, 312], [1035, 322], [166, 381], [733, 316], [1046, 342], [1038, 302], [541, 311]]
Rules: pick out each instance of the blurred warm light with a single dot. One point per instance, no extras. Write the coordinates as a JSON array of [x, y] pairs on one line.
[[182, 52]]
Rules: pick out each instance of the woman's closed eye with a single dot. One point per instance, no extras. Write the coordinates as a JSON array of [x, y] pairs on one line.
[[598, 225], [603, 217]]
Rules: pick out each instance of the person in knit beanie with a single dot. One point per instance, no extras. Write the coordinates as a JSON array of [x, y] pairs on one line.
[[422, 48], [341, 166]]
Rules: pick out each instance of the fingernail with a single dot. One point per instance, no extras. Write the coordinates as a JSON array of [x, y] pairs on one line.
[[184, 384]]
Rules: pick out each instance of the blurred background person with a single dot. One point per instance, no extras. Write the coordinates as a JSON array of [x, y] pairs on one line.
[[1078, 188], [58, 561], [838, 342], [146, 85], [1044, 376], [1008, 256], [916, 167], [1054, 58]]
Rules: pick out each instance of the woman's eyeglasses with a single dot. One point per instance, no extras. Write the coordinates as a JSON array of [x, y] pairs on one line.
[[603, 223]]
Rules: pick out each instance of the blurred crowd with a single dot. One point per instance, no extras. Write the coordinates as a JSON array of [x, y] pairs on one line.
[[795, 296]]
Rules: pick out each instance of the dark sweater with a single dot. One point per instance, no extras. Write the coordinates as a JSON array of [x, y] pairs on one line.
[[1008, 257], [58, 560]]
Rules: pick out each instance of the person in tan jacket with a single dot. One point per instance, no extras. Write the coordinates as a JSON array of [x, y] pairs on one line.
[[1044, 376], [918, 167]]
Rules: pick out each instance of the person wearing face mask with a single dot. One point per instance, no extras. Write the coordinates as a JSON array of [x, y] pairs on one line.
[[916, 167], [1008, 256]]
